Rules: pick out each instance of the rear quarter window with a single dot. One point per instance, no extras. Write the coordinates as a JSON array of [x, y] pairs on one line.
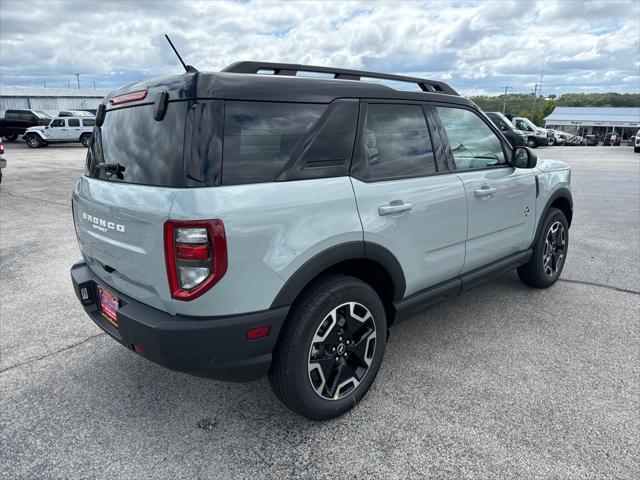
[[259, 138]]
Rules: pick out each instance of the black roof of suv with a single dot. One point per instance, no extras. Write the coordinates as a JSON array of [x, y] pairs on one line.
[[246, 81]]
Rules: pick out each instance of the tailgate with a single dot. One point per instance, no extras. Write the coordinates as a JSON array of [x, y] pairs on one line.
[[120, 232]]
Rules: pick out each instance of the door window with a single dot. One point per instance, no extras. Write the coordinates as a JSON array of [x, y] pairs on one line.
[[395, 143], [58, 122], [472, 142], [88, 122], [74, 122]]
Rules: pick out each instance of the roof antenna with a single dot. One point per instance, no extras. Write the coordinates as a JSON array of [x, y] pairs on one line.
[[187, 68]]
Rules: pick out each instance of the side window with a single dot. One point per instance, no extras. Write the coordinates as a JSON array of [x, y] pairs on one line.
[[472, 142], [88, 122], [58, 122], [74, 122], [395, 143], [259, 138]]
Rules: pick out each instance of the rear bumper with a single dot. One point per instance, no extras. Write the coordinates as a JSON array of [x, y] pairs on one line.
[[213, 347]]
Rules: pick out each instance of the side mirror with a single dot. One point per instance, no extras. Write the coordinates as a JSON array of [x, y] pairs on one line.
[[524, 157]]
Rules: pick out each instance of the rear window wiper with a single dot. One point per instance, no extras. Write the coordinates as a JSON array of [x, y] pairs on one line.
[[112, 169]]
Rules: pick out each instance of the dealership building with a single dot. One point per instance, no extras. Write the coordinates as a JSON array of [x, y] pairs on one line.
[[50, 100], [595, 120]]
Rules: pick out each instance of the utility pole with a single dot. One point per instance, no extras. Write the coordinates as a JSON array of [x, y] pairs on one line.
[[45, 83], [68, 84], [504, 103], [78, 79]]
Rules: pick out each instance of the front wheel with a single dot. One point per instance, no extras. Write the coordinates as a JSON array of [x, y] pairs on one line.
[[549, 252], [330, 349], [531, 143], [33, 140]]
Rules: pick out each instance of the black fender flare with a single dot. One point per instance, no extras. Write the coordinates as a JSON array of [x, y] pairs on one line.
[[335, 255], [562, 192]]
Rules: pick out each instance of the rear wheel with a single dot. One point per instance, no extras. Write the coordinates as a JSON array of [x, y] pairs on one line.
[[11, 138], [85, 139], [331, 348], [549, 252], [33, 140]]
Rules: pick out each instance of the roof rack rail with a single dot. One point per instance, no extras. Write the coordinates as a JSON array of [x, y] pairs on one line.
[[291, 69]]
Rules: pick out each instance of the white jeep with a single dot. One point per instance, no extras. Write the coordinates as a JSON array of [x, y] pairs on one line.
[[67, 129]]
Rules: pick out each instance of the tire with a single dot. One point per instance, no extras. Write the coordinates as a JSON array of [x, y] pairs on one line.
[[548, 259], [85, 139], [322, 322], [11, 138], [636, 149], [532, 143], [33, 140], [0, 176]]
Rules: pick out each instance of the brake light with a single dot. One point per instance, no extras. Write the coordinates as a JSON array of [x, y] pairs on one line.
[[196, 256], [1, 147], [129, 97]]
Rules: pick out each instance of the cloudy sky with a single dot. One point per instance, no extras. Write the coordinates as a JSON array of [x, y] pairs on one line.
[[477, 47]]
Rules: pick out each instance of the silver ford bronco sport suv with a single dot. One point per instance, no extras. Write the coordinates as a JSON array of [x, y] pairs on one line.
[[248, 223]]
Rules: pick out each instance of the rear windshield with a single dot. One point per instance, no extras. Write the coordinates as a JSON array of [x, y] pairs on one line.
[[150, 151]]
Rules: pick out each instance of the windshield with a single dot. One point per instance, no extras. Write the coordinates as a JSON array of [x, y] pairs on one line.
[[526, 121], [41, 114], [505, 120]]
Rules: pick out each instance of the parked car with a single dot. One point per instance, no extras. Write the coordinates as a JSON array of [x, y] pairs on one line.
[[59, 130], [3, 160], [234, 225], [536, 136], [516, 137], [636, 143], [16, 122], [591, 140], [75, 113], [555, 137]]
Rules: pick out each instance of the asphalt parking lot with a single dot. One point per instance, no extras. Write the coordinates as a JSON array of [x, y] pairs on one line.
[[504, 382]]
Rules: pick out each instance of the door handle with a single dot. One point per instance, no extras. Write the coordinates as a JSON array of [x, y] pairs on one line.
[[485, 191], [395, 206]]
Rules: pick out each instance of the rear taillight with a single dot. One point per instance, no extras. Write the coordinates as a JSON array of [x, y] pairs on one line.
[[1, 148], [196, 255]]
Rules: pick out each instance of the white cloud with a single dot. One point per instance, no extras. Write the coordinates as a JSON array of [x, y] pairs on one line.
[[477, 47]]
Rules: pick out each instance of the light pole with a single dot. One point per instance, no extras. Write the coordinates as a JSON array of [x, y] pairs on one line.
[[504, 103]]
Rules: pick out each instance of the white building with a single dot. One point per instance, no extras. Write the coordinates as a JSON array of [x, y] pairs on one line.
[[50, 100], [596, 120]]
